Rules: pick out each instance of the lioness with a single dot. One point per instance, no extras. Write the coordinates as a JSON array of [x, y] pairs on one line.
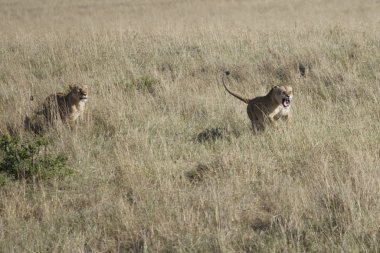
[[67, 106], [268, 108]]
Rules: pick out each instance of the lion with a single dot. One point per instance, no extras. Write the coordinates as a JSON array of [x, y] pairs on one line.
[[269, 108], [68, 107]]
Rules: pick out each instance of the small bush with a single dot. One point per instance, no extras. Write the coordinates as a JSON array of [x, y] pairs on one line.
[[210, 135], [29, 160], [144, 84], [198, 173]]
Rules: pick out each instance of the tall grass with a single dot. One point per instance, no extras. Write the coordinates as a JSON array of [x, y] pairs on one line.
[[164, 159]]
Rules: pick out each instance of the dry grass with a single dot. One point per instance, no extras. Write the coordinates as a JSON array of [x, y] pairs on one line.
[[152, 68]]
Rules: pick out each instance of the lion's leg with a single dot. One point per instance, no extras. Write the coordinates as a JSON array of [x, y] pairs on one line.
[[272, 122], [286, 118], [258, 116], [257, 126], [72, 125]]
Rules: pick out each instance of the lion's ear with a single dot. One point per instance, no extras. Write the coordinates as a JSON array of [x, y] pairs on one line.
[[274, 88], [71, 87]]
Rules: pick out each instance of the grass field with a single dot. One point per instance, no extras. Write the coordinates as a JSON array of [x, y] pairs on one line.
[[147, 177]]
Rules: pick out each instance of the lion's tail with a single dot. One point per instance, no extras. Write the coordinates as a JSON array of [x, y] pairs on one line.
[[245, 100]]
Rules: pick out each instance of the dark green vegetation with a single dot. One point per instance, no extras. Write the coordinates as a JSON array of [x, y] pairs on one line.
[[29, 160]]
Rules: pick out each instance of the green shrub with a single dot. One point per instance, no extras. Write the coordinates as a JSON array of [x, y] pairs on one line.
[[29, 159], [144, 84]]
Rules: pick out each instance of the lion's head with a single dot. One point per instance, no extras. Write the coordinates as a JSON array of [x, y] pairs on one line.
[[283, 95], [78, 93]]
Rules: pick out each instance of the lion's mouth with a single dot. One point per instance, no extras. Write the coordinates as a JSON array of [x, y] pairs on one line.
[[83, 97], [286, 102]]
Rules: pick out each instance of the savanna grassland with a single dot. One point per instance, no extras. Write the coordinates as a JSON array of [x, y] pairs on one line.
[[164, 160]]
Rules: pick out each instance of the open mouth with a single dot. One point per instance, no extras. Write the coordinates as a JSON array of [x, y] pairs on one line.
[[83, 97], [286, 102]]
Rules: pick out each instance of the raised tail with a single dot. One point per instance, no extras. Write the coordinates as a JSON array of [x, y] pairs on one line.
[[245, 100]]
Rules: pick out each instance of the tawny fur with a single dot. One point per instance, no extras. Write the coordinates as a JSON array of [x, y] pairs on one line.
[[67, 107], [264, 110]]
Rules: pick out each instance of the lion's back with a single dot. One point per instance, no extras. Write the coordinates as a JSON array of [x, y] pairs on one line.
[[54, 105]]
